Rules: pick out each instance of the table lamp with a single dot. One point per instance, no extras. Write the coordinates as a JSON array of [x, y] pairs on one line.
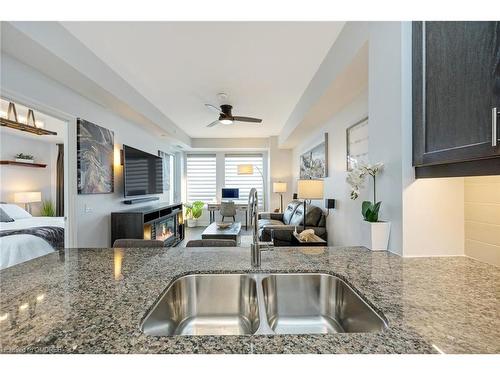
[[28, 197], [280, 187], [308, 190]]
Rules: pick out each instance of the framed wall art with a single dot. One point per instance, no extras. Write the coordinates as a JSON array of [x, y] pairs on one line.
[[357, 143], [95, 156], [314, 163]]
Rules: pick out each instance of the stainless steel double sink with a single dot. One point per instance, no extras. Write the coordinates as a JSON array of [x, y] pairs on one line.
[[256, 303]]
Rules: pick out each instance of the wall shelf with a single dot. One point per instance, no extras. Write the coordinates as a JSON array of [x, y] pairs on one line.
[[18, 163]]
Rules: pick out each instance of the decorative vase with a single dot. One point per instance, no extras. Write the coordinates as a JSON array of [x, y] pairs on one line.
[[376, 235], [192, 223]]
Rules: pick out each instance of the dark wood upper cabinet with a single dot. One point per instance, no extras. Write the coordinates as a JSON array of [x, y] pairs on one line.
[[456, 86]]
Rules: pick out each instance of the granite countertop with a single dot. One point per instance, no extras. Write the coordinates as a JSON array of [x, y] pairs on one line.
[[93, 300]]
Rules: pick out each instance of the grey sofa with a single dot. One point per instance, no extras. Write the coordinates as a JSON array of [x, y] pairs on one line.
[[279, 227]]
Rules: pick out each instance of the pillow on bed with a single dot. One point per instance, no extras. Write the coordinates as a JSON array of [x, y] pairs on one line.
[[14, 211], [4, 218]]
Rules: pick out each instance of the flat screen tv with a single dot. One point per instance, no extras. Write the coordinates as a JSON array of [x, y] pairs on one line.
[[230, 193], [143, 172]]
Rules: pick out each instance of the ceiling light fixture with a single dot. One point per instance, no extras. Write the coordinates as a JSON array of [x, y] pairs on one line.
[[226, 121], [26, 124]]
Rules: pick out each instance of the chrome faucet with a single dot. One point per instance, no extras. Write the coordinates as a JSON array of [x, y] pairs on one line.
[[256, 247]]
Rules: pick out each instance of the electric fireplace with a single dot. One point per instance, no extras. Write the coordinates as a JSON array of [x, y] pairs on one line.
[[156, 222], [166, 230]]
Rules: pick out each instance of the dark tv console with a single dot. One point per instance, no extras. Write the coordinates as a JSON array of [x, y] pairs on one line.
[[159, 221]]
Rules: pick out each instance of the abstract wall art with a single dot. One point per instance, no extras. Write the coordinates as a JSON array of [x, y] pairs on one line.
[[95, 153]]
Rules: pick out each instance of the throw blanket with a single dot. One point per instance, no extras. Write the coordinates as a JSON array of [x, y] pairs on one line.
[[53, 235]]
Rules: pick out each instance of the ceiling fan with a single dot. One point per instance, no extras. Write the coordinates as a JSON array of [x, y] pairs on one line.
[[226, 117]]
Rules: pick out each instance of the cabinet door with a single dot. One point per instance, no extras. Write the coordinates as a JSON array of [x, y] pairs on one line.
[[456, 67]]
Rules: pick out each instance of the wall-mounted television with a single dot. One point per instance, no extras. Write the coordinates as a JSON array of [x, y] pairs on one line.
[[143, 172]]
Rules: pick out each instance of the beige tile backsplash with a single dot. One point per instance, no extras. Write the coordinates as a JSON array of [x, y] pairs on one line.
[[482, 218]]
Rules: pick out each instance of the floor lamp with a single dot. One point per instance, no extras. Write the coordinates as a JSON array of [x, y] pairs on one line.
[[247, 169], [308, 190], [280, 187]]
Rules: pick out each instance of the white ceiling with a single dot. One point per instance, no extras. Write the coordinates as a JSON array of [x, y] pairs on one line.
[[179, 66]]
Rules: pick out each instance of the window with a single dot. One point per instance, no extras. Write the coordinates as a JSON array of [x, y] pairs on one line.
[[201, 178], [168, 174], [245, 182]]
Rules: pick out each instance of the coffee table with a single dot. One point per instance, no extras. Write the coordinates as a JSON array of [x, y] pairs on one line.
[[230, 233]]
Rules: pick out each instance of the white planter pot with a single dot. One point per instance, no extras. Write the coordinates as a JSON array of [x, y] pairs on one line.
[[25, 161], [376, 235], [192, 223]]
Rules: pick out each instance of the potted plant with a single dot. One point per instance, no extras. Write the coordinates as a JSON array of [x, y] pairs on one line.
[[47, 209], [24, 158], [376, 235], [193, 213]]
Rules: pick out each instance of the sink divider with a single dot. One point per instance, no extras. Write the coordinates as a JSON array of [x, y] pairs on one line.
[[264, 328]]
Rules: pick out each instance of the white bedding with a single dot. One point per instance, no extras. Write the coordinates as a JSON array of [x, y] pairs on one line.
[[23, 247]]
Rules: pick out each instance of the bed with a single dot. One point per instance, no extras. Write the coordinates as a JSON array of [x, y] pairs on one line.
[[28, 237]]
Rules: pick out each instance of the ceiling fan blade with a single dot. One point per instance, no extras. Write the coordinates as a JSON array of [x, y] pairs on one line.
[[246, 119], [216, 122], [213, 108]]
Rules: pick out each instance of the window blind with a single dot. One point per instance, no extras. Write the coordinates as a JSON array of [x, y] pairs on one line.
[[201, 178], [244, 182]]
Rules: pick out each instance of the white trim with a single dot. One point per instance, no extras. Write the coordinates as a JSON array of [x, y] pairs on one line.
[[70, 174]]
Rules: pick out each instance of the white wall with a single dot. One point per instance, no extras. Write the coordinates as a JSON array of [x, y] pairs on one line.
[[385, 109], [343, 223], [433, 217], [249, 143], [280, 170], [92, 211], [407, 203], [17, 179]]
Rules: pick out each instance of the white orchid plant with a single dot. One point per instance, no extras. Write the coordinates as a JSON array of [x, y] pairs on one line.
[[356, 180]]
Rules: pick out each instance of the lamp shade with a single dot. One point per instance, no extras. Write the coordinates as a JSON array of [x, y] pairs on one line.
[[28, 197], [245, 169], [310, 189], [279, 187]]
